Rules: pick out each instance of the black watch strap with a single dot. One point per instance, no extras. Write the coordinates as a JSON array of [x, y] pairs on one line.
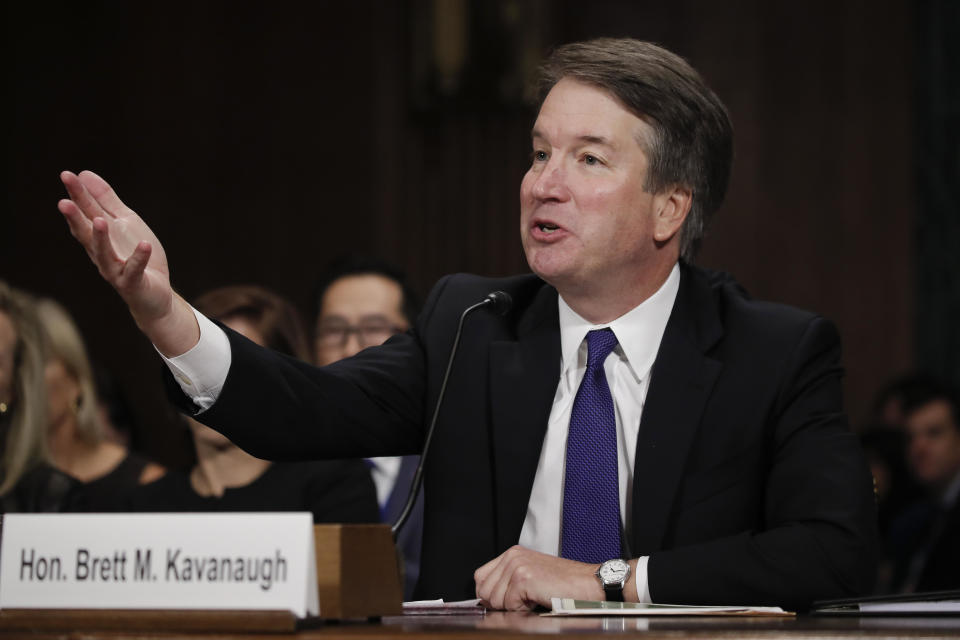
[[614, 592]]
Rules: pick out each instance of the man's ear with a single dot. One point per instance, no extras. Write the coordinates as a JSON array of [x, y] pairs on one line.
[[672, 206]]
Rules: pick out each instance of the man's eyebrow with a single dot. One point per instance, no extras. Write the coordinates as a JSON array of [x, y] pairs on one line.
[[597, 140]]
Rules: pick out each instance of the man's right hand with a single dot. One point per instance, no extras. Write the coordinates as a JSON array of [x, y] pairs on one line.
[[131, 259]]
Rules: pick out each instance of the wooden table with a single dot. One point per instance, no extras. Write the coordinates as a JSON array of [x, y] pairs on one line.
[[494, 625]]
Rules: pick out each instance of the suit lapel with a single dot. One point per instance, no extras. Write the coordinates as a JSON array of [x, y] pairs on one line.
[[682, 380], [523, 381]]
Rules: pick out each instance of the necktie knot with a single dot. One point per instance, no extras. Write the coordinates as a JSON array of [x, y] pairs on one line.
[[600, 342]]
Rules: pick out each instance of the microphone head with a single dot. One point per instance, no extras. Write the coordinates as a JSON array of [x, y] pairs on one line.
[[499, 302]]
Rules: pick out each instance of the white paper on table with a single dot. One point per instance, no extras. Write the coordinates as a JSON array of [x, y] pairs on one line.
[[572, 607]]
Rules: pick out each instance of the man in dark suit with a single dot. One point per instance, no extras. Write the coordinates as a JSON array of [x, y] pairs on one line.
[[634, 428], [924, 540]]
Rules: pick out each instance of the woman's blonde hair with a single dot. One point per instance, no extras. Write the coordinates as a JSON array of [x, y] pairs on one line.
[[25, 444], [65, 344]]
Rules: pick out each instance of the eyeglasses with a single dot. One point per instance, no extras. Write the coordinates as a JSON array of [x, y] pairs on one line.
[[334, 336]]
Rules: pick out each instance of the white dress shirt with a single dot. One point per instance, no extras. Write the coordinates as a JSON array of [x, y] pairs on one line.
[[202, 371], [384, 471], [627, 368]]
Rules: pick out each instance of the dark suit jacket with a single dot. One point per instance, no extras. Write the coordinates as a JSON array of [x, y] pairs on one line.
[[941, 571], [926, 534], [748, 485], [411, 535]]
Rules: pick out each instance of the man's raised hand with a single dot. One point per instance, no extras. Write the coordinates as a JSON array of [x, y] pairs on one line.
[[129, 257]]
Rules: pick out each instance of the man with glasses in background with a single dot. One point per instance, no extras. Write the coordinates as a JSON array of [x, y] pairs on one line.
[[362, 302]]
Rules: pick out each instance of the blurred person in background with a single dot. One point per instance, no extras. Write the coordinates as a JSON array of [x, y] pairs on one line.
[[924, 542], [362, 302], [76, 438], [226, 478], [895, 487], [116, 412], [28, 483], [900, 392]]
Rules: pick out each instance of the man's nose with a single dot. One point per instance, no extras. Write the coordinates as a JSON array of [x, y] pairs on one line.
[[551, 183], [352, 346]]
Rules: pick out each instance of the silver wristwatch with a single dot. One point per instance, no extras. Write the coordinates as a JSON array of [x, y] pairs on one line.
[[613, 575]]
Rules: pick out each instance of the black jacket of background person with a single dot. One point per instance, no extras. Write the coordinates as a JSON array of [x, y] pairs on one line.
[[748, 486]]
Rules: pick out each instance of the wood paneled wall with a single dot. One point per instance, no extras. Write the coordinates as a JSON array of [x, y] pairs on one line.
[[261, 142]]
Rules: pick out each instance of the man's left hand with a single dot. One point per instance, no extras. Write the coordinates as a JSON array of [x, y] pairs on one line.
[[520, 579]]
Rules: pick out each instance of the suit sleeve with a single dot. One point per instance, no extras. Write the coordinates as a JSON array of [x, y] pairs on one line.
[[279, 408], [340, 491], [818, 538]]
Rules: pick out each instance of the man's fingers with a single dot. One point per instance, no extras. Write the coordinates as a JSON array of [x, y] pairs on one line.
[[104, 256], [80, 227], [134, 266], [507, 582], [515, 596], [103, 193], [481, 574], [486, 578], [81, 197], [492, 585]]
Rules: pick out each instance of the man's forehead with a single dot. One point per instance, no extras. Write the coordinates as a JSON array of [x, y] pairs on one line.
[[931, 416], [587, 114], [362, 294]]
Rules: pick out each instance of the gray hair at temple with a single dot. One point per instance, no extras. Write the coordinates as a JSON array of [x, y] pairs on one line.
[[692, 141]]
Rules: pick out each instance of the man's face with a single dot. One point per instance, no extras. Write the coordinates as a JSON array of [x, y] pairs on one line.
[[585, 217], [357, 312], [934, 443]]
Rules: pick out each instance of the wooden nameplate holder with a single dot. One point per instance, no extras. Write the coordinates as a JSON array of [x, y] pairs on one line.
[[357, 571], [357, 578]]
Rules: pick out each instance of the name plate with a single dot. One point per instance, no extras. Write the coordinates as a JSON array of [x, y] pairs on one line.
[[259, 561]]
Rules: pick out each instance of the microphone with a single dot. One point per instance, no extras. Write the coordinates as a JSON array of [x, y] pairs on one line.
[[497, 301]]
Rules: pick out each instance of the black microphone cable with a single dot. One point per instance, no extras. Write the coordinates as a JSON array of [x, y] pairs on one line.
[[499, 302]]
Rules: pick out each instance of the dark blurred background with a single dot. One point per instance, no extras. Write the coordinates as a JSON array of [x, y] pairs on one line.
[[260, 141]]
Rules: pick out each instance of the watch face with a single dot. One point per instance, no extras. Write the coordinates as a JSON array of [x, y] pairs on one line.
[[613, 571]]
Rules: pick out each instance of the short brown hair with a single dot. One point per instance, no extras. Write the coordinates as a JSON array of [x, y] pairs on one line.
[[276, 319], [693, 136]]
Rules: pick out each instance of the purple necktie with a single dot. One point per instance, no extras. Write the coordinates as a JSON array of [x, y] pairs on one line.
[[591, 489]]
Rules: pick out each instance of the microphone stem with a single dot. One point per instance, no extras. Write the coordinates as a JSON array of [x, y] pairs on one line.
[[418, 475]]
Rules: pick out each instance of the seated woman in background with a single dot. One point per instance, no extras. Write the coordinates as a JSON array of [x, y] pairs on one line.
[[226, 478], [107, 471], [28, 483]]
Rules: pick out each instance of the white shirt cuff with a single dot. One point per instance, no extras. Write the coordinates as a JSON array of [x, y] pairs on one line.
[[202, 370], [643, 587]]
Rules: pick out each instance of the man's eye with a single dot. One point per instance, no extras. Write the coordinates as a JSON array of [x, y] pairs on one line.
[[591, 160], [539, 156]]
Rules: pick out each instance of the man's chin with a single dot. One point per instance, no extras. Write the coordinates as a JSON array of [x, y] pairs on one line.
[[553, 272]]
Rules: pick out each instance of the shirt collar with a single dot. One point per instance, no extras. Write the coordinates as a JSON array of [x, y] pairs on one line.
[[638, 331]]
